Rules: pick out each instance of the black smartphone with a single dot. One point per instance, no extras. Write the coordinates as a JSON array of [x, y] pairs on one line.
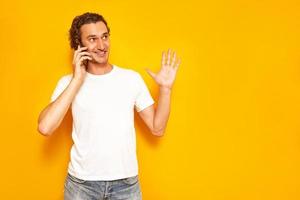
[[84, 62]]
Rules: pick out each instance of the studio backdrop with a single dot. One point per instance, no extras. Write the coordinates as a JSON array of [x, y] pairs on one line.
[[234, 128]]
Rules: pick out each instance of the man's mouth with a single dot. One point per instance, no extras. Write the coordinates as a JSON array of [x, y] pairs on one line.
[[100, 53]]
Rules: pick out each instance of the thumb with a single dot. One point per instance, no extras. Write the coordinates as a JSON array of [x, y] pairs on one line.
[[151, 73]]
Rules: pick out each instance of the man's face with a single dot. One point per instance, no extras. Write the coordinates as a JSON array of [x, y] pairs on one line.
[[95, 37]]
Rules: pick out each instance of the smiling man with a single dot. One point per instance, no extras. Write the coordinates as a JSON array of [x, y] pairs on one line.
[[102, 97]]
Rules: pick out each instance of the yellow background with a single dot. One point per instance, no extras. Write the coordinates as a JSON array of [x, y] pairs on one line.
[[234, 127]]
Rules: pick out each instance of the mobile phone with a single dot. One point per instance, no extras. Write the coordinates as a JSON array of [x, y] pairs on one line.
[[84, 62]]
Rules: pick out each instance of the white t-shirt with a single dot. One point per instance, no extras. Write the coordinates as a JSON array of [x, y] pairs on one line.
[[103, 123]]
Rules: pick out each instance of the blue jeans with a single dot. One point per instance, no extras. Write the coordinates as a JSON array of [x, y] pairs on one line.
[[121, 189]]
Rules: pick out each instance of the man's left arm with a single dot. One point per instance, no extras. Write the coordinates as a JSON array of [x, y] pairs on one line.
[[156, 119]]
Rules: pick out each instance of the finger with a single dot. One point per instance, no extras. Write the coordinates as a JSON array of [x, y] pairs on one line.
[[177, 64], [151, 73], [83, 61], [79, 49], [80, 54], [82, 49], [84, 58], [169, 57], [173, 59], [163, 59], [84, 53]]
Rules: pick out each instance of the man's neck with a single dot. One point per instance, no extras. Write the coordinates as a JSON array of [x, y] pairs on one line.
[[99, 69]]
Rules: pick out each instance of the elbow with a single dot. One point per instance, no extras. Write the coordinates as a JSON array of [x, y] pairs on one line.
[[44, 130], [158, 133]]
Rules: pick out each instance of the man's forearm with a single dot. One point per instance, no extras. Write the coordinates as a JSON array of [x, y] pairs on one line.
[[53, 114], [162, 111]]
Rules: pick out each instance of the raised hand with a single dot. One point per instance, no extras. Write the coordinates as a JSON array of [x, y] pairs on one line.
[[169, 65]]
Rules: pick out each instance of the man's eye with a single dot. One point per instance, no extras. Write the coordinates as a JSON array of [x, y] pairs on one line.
[[92, 39]]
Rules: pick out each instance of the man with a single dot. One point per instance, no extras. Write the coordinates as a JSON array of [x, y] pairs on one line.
[[103, 162]]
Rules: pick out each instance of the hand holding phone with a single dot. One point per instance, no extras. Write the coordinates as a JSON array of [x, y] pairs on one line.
[[80, 59]]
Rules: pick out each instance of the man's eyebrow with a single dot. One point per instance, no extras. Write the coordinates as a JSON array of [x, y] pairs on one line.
[[105, 33]]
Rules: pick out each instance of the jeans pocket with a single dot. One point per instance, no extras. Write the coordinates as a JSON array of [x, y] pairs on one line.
[[76, 180], [131, 180]]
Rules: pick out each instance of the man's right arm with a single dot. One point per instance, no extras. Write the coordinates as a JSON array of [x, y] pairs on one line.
[[51, 116]]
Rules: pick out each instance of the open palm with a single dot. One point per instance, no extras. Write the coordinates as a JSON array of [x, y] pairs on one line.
[[169, 66]]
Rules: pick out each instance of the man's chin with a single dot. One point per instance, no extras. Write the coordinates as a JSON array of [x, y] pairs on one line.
[[99, 61]]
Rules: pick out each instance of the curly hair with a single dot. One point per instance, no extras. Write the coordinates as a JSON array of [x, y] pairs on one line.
[[78, 21]]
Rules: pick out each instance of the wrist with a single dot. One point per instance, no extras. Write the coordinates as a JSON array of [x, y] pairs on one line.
[[78, 80], [165, 90]]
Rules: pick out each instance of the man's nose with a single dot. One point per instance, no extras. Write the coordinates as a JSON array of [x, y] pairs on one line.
[[100, 45]]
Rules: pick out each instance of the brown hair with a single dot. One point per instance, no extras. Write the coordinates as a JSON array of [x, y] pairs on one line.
[[78, 21]]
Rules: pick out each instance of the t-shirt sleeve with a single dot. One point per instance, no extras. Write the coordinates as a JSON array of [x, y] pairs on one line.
[[60, 87], [144, 98]]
